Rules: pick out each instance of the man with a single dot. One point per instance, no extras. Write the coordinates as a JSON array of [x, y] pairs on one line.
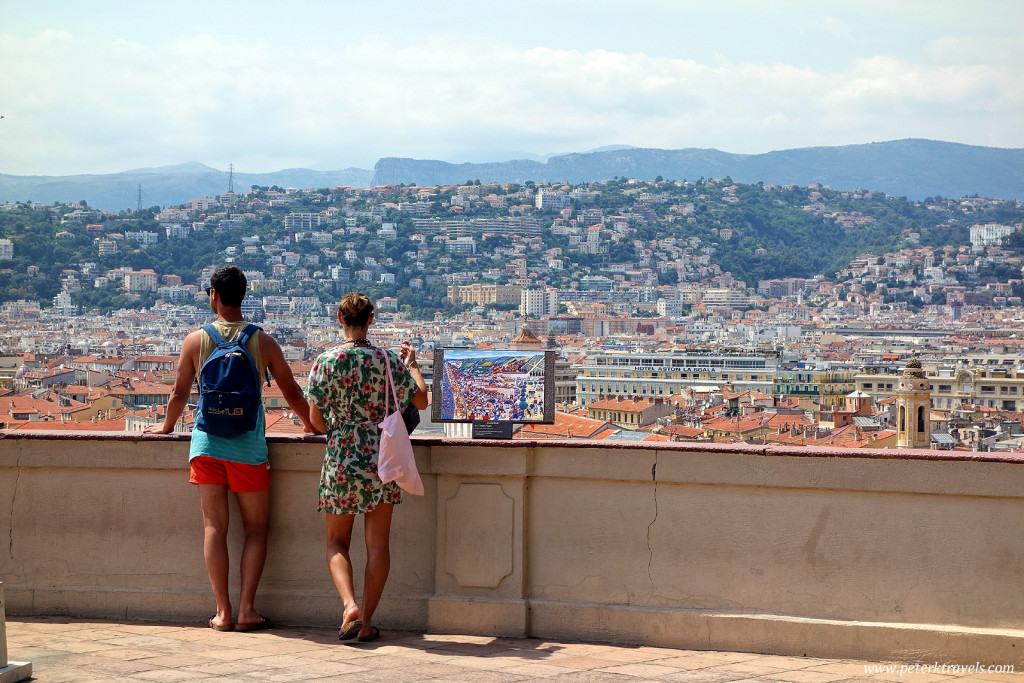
[[239, 464]]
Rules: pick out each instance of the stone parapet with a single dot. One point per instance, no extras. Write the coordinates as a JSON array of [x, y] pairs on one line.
[[826, 552]]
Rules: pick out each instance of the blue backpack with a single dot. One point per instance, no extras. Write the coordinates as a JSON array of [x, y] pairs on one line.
[[229, 386]]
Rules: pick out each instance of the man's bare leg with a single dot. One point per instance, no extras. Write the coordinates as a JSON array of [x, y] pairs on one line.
[[255, 509], [214, 501]]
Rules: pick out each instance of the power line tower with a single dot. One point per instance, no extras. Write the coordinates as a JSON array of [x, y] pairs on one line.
[[139, 207], [231, 178]]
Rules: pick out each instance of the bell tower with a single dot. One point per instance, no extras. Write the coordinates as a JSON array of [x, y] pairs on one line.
[[913, 406]]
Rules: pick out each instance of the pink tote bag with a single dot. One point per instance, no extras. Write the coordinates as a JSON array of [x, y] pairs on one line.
[[395, 461]]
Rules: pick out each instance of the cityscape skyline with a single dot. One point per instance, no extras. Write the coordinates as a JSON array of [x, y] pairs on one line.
[[133, 87]]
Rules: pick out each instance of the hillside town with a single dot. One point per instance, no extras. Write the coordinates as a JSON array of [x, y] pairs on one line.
[[702, 311]]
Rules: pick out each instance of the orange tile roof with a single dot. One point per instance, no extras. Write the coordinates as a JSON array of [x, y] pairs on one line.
[[566, 426], [622, 403]]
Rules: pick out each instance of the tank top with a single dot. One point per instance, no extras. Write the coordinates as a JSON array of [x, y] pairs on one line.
[[249, 448]]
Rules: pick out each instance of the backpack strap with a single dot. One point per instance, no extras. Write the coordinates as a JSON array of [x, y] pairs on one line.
[[247, 332], [215, 336]]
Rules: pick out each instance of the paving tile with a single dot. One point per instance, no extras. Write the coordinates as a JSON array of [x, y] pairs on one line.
[[168, 675], [750, 667], [176, 660], [805, 676], [583, 662], [138, 641], [790, 662], [124, 653], [481, 676], [642, 670], [113, 668], [849, 669], [372, 662], [706, 676], [692, 662], [532, 670], [596, 677], [64, 650], [286, 675], [210, 669], [635, 654], [228, 653], [503, 661]]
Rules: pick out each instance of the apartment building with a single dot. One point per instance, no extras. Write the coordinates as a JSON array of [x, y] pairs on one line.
[[144, 280], [723, 298], [989, 234], [525, 226], [537, 302], [625, 373], [814, 387], [629, 413], [302, 221], [546, 200], [483, 294], [991, 380]]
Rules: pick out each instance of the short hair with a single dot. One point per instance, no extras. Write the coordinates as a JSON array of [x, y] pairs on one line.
[[355, 309], [229, 283]]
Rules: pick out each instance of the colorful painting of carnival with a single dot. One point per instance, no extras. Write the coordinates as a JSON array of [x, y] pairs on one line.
[[510, 386]]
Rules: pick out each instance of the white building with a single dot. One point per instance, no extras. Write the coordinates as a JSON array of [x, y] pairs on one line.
[[621, 373], [461, 245], [172, 215], [178, 231], [552, 201], [143, 237], [990, 234], [6, 249], [201, 204], [321, 239], [302, 221], [721, 297], [534, 303]]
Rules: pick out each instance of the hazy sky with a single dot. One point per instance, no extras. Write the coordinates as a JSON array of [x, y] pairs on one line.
[[105, 86]]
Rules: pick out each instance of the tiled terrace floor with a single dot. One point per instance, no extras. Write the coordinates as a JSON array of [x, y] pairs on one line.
[[96, 650]]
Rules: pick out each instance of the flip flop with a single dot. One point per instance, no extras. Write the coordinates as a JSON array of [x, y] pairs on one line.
[[350, 629], [221, 627], [373, 636], [262, 625]]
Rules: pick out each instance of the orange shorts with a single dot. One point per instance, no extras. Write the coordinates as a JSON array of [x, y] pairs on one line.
[[239, 477]]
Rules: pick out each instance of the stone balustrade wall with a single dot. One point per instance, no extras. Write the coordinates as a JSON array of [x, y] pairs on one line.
[[824, 552]]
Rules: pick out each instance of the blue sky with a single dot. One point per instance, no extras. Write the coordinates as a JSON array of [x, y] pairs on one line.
[[107, 86]]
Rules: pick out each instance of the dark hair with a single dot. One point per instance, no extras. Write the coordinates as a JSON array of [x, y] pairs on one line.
[[229, 283], [355, 309]]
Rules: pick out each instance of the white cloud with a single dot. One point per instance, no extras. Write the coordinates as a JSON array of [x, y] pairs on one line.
[[74, 103]]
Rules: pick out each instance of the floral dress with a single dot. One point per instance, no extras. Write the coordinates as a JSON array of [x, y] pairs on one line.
[[348, 385]]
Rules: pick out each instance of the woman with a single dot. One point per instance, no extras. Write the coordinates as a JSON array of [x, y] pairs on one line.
[[347, 394]]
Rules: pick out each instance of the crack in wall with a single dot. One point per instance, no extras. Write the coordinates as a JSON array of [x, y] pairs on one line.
[[650, 550], [10, 518]]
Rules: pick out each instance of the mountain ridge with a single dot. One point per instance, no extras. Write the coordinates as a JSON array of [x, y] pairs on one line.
[[913, 167]]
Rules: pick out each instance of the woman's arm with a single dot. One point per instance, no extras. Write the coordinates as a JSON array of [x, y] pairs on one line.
[[408, 355], [317, 418]]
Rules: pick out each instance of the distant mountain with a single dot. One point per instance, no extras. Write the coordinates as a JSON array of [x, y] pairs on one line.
[[912, 168], [904, 168], [163, 186]]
